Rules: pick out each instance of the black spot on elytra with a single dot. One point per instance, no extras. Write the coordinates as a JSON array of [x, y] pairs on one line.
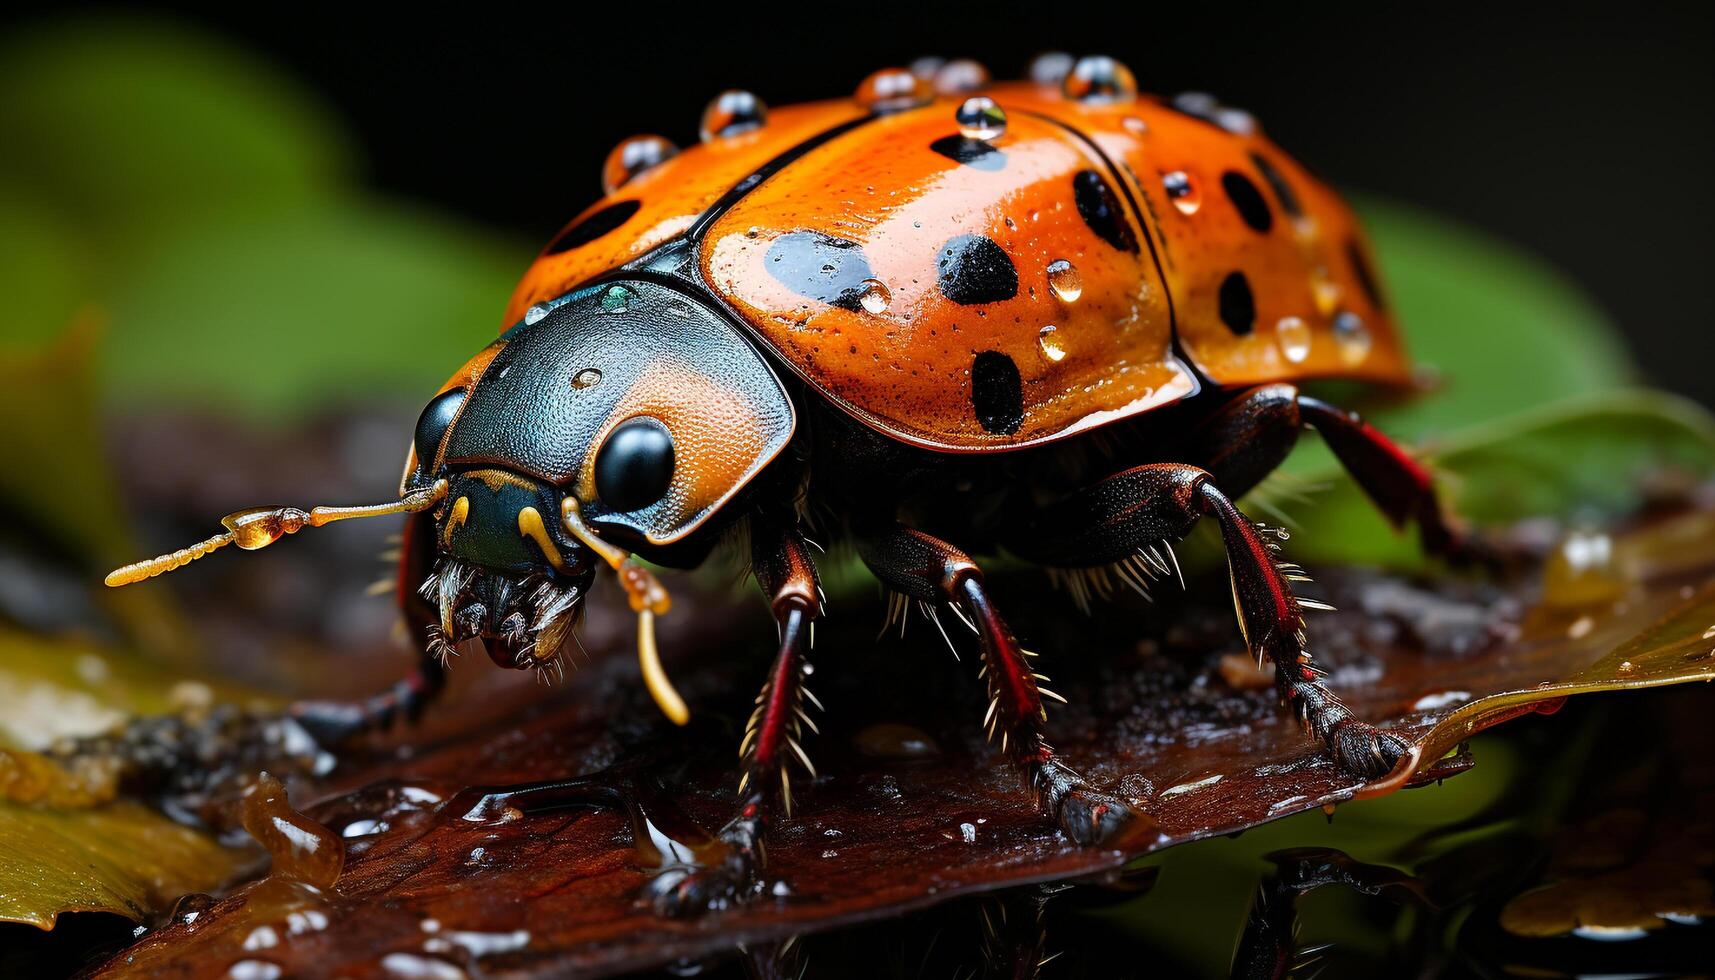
[[973, 269], [1238, 305], [1100, 209], [594, 226], [823, 268], [997, 394], [1283, 191], [970, 152], [1248, 200], [1366, 275]]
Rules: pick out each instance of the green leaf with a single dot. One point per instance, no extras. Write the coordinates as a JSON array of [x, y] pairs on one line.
[[118, 857], [129, 126], [1586, 457], [1504, 331], [348, 300], [204, 202], [123, 858]]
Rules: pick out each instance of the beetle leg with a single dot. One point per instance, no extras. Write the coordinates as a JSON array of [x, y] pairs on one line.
[[770, 747], [334, 722], [1248, 438], [331, 723], [1112, 519], [926, 568]]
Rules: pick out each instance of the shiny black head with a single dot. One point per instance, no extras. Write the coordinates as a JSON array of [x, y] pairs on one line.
[[629, 405]]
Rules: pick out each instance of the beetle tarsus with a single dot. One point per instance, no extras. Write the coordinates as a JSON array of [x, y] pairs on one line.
[[334, 723], [930, 570], [772, 743], [683, 891]]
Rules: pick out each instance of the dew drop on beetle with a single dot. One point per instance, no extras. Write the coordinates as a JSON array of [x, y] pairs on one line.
[[535, 312], [1049, 68], [1182, 191], [617, 299], [1352, 336], [731, 113], [959, 76], [875, 296], [1098, 78], [1064, 280], [587, 378], [1325, 291], [892, 89], [980, 119], [633, 156], [927, 66], [1294, 337], [1050, 342]]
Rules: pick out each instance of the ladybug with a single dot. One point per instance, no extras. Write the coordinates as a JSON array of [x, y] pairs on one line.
[[942, 318]]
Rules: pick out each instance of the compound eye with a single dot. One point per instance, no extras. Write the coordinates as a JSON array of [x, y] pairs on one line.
[[432, 425], [635, 465]]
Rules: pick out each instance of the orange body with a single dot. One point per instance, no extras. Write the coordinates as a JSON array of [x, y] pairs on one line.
[[1086, 265]]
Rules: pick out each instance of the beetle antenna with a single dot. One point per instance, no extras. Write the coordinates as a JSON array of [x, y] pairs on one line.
[[260, 527], [649, 599]]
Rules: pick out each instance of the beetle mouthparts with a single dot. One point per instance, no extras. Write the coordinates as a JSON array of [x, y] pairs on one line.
[[522, 620]]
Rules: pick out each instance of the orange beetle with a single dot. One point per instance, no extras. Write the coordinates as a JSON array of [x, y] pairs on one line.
[[915, 310]]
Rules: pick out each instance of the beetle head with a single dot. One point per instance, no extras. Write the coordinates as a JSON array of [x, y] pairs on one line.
[[505, 571], [618, 419]]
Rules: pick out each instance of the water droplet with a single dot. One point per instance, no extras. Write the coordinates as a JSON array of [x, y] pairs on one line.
[[1236, 121], [875, 296], [1352, 336], [1583, 572], [980, 119], [1294, 337], [1051, 343], [1134, 125], [892, 89], [302, 849], [1324, 290], [753, 232], [536, 312], [632, 157], [927, 66], [1182, 191], [617, 299], [731, 113], [1098, 78], [959, 76], [1064, 280], [891, 740], [1050, 68], [1208, 108], [587, 378]]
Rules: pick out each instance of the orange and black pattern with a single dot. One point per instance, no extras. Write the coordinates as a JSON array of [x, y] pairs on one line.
[[1001, 265]]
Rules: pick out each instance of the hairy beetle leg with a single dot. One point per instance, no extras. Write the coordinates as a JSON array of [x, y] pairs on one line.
[[333, 723], [926, 568], [1248, 438], [1111, 519], [771, 746]]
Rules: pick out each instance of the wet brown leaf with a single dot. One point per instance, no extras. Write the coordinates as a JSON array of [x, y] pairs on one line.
[[65, 845], [910, 809]]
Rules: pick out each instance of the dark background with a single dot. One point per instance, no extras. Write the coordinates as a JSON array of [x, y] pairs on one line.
[[1583, 134]]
